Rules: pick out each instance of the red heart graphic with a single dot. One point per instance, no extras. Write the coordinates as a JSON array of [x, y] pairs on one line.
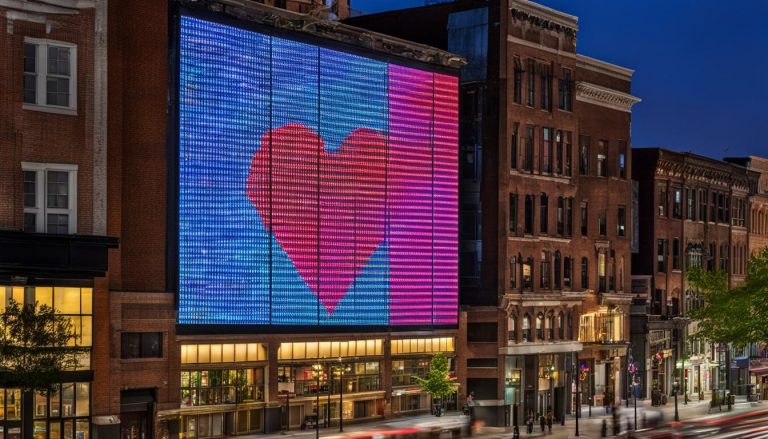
[[326, 208]]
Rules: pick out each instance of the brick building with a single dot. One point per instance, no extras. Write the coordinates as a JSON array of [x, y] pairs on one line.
[[545, 204], [699, 218], [753, 359], [164, 383], [53, 225]]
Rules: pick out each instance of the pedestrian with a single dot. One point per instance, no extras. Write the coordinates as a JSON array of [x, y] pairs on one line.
[[604, 429], [542, 422], [549, 420], [529, 423]]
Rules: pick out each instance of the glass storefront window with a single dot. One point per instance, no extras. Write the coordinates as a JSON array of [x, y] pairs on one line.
[[67, 400], [13, 404], [40, 430], [82, 405], [68, 427], [81, 431], [55, 400], [55, 430], [221, 386], [41, 406]]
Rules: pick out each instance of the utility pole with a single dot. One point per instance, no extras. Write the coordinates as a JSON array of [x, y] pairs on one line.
[[578, 395]]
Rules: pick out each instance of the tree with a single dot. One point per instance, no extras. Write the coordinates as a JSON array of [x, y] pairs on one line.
[[35, 347], [733, 315], [437, 382]]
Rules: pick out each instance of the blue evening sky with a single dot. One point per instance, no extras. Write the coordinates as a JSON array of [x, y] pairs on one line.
[[701, 67]]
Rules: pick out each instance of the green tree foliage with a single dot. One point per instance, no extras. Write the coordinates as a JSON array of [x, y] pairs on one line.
[[437, 381], [34, 347], [737, 315]]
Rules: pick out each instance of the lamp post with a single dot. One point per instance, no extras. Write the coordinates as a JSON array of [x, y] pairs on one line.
[[675, 391], [551, 386], [317, 369], [578, 395], [632, 369]]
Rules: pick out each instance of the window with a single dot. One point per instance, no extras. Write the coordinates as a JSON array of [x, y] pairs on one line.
[[621, 221], [141, 345], [513, 147], [568, 216], [584, 273], [558, 157], [528, 157], [528, 220], [601, 165], [622, 159], [50, 198], [513, 272], [694, 256], [528, 274], [713, 208], [690, 204], [546, 87], [662, 201], [724, 257], [568, 154], [560, 217], [518, 84], [229, 386], [677, 203], [602, 226], [540, 327], [565, 96], [711, 257], [512, 329], [560, 326], [482, 332], [703, 205], [513, 214], [675, 254], [50, 73], [529, 82], [544, 213], [551, 326], [584, 218], [661, 253], [722, 208], [584, 155], [558, 272], [544, 284], [601, 260], [545, 164], [567, 270], [526, 328]]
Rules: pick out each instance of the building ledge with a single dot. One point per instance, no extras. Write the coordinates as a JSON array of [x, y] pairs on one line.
[[49, 255], [541, 348]]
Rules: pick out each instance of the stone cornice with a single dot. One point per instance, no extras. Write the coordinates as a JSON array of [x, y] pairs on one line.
[[606, 68], [320, 26], [48, 6], [544, 17], [693, 167], [605, 97]]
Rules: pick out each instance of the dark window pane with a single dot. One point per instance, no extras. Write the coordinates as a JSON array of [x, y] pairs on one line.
[[30, 88], [58, 189], [57, 223], [57, 91], [30, 58], [30, 222], [30, 189], [130, 346], [58, 60], [152, 345]]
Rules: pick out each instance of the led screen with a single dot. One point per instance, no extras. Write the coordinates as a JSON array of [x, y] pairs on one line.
[[316, 187]]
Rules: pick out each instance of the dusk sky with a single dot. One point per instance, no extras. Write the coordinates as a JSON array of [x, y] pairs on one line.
[[701, 67]]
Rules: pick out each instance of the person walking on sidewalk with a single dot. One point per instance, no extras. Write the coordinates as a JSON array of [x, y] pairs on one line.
[[529, 423], [542, 422], [549, 419]]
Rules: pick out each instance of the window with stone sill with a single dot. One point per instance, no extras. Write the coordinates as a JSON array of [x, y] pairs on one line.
[[50, 74], [50, 197]]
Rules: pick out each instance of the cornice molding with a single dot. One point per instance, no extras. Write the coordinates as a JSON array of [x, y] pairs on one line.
[[48, 6], [544, 17], [692, 167], [603, 67], [318, 25], [605, 97]]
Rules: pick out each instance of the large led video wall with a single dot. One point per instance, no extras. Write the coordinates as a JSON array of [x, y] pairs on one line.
[[316, 187]]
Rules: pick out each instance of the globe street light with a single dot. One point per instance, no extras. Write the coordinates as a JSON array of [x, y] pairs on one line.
[[317, 370]]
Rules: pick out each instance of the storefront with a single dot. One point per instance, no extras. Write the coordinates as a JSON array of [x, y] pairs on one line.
[[412, 358]]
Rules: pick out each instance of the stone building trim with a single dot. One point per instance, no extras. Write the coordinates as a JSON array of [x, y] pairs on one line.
[[605, 97], [603, 67], [329, 29], [542, 348], [693, 167], [544, 17]]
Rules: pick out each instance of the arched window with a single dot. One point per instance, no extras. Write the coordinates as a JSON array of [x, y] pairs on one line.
[[569, 326], [544, 271], [560, 326], [526, 328], [512, 328], [558, 284], [550, 326], [540, 327], [513, 272], [528, 274], [584, 273], [567, 272]]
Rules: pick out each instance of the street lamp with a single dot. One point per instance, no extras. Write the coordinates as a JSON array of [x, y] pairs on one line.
[[551, 386], [317, 370], [675, 391]]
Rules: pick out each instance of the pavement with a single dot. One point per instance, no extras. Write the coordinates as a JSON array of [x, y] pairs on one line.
[[589, 425]]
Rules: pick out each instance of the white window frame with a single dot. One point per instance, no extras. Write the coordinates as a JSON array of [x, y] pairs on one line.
[[41, 187], [41, 68]]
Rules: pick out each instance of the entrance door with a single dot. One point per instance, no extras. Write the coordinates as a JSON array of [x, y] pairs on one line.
[[133, 425]]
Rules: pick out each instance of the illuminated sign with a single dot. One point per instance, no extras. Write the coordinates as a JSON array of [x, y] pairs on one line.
[[316, 187]]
